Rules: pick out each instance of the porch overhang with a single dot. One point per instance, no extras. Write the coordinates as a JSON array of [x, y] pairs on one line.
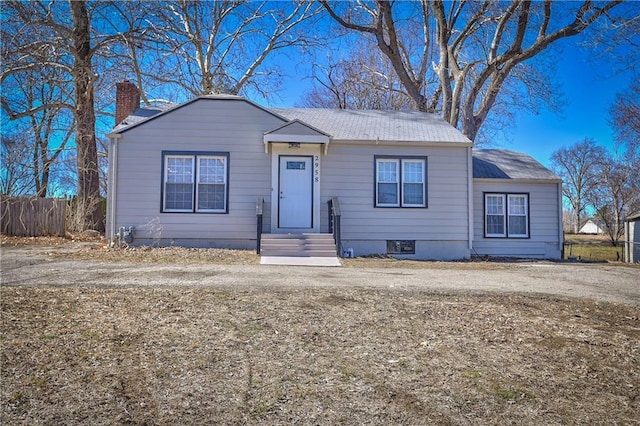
[[296, 132]]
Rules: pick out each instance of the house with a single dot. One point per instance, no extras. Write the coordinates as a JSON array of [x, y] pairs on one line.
[[632, 239], [222, 171], [517, 206], [590, 227]]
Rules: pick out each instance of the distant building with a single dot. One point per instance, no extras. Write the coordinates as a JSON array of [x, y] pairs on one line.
[[632, 239], [591, 228]]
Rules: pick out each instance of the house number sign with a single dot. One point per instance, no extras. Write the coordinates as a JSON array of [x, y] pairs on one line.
[[316, 168]]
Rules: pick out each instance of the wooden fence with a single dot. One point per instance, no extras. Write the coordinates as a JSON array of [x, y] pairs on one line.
[[32, 217]]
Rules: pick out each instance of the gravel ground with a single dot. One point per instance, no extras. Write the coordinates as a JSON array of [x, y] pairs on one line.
[[57, 265]]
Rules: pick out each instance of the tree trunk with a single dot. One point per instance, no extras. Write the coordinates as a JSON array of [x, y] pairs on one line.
[[36, 170], [89, 205], [42, 177]]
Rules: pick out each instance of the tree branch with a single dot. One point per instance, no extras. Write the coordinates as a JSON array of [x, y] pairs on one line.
[[347, 24]]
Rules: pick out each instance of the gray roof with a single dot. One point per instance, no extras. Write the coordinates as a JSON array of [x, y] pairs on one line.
[[372, 125], [506, 164], [141, 114], [340, 124]]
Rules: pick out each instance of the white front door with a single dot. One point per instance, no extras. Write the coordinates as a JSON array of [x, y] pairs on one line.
[[295, 192]]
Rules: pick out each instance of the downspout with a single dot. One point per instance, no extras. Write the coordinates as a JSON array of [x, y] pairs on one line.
[[560, 226], [112, 185], [470, 196]]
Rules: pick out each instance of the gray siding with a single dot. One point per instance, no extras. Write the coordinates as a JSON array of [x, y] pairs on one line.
[[348, 173], [544, 221], [235, 127], [297, 129]]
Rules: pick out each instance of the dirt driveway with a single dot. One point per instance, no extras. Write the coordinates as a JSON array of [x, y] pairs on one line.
[[36, 265]]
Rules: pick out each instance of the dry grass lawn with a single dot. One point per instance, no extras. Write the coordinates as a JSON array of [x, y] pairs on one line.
[[73, 355], [183, 355], [592, 247]]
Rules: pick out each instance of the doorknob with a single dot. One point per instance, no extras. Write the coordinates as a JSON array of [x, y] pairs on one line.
[[281, 195]]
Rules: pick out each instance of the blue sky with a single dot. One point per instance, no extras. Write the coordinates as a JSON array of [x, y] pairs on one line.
[[588, 91]]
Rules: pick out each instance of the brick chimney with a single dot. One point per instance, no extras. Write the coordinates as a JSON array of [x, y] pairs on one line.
[[127, 100]]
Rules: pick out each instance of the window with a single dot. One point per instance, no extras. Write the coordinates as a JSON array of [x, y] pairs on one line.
[[506, 215], [195, 182], [400, 182], [494, 205], [296, 165], [401, 247], [518, 216]]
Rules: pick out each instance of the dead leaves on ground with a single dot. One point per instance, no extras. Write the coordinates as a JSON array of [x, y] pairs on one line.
[[186, 355]]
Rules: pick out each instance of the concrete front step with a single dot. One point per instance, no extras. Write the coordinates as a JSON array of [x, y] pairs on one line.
[[300, 261], [316, 237], [297, 253], [298, 245]]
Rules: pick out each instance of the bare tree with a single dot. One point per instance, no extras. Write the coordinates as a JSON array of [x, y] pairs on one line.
[[620, 43], [16, 177], [362, 79], [578, 166], [56, 45], [205, 47], [49, 129], [616, 194], [568, 221], [475, 49], [625, 117], [83, 79]]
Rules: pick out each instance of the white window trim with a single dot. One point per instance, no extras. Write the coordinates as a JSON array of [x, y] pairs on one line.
[[197, 185], [401, 161], [195, 176], [525, 215], [166, 178], [398, 179], [505, 216], [413, 160]]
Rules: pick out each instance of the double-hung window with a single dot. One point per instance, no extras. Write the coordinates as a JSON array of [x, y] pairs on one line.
[[506, 215], [401, 182], [195, 182]]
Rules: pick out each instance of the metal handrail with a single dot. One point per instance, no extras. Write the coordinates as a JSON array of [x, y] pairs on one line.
[[259, 208], [335, 223]]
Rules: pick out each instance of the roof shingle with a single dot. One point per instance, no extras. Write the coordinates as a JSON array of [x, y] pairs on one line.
[[373, 125], [506, 164], [340, 124]]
